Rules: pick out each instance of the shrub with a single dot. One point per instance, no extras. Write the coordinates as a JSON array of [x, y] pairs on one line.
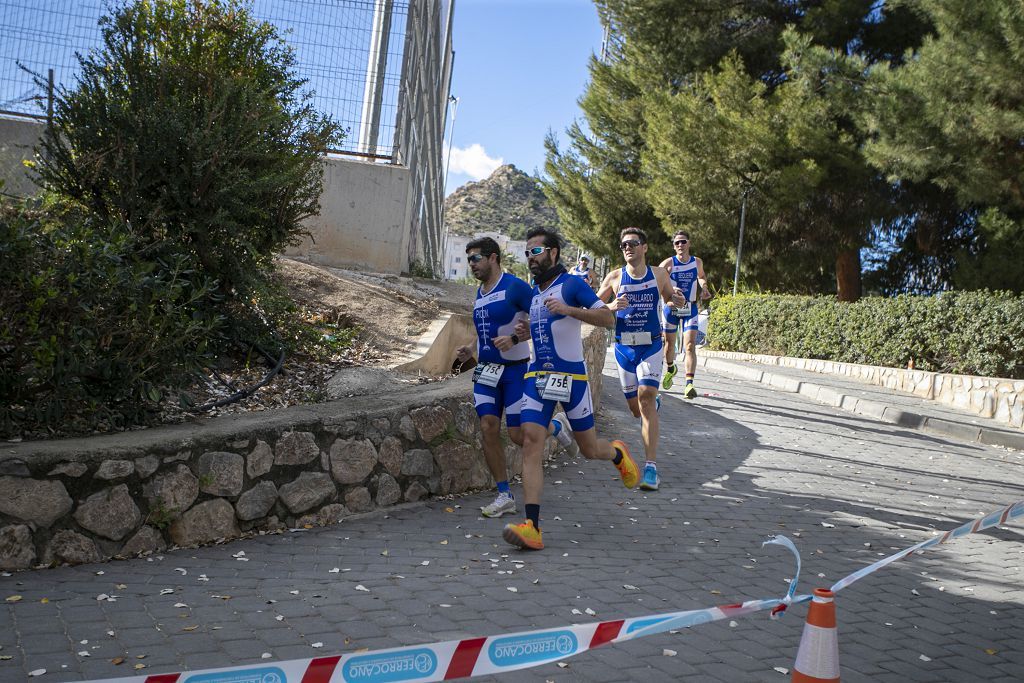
[[972, 333], [90, 332], [189, 128]]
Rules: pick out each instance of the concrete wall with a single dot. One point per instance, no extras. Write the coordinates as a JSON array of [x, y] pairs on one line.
[[17, 138], [363, 219]]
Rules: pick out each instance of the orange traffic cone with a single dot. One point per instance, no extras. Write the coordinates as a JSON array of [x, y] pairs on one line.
[[817, 659]]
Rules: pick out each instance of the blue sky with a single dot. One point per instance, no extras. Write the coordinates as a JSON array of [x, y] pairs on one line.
[[520, 66]]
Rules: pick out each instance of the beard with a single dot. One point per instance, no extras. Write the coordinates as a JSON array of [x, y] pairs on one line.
[[541, 266]]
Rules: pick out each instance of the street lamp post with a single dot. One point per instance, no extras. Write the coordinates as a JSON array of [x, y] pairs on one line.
[[454, 102], [739, 244]]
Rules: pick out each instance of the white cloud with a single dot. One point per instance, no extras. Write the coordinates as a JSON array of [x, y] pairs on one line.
[[473, 161]]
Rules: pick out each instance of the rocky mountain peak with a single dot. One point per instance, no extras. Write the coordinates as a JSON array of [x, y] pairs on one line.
[[508, 201]]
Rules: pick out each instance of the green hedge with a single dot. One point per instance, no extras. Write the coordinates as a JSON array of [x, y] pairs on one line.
[[970, 333]]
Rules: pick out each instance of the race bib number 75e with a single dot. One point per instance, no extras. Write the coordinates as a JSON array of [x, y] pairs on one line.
[[555, 387]]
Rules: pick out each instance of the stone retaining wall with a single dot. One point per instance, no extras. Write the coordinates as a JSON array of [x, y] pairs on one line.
[[991, 397], [118, 495]]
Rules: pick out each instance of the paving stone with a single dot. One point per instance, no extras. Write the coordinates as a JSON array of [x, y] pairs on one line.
[[740, 464]]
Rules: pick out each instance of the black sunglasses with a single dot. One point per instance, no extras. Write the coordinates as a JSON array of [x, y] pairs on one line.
[[630, 243], [680, 241], [475, 258]]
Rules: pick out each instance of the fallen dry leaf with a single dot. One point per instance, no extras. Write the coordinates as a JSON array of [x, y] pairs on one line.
[[190, 628], [14, 598], [117, 661]]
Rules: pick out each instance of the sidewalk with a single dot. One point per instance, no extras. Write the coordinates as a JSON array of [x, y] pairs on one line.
[[873, 401], [739, 463]]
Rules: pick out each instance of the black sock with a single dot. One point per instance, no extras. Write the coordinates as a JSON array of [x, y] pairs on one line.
[[618, 457], [533, 514], [671, 365]]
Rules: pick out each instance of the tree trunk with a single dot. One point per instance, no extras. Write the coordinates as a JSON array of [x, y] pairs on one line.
[[848, 275]]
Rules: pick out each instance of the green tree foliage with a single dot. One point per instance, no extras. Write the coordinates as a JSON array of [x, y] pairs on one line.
[[953, 116], [189, 127], [695, 96]]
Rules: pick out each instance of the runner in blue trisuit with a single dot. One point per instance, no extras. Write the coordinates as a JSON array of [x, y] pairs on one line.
[[501, 301], [687, 273], [635, 292], [558, 374]]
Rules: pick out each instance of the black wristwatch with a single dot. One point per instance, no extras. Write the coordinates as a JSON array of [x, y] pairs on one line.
[[515, 338]]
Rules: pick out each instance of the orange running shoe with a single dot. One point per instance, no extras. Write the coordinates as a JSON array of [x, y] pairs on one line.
[[523, 536], [627, 468]]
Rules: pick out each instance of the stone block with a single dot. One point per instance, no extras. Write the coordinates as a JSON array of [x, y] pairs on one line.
[[416, 491], [462, 468], [260, 460], [390, 455], [358, 500], [257, 501], [431, 421], [172, 492], [296, 448], [309, 490], [112, 470], [328, 514], [146, 540], [352, 460], [111, 513], [418, 462], [206, 522], [70, 547], [221, 473], [388, 491], [68, 469], [17, 551], [407, 429], [38, 502], [146, 466]]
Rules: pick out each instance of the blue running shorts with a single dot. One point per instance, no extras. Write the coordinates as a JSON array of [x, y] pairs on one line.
[[580, 410], [507, 396], [639, 366]]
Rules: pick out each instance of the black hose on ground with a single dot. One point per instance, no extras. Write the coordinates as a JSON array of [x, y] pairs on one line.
[[248, 391]]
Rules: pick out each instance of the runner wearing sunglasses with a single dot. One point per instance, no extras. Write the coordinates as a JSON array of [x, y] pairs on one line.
[[635, 293], [502, 300], [558, 374], [687, 273]]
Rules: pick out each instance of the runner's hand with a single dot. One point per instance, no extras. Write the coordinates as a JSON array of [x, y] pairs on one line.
[[619, 303], [522, 329], [503, 343], [556, 306]]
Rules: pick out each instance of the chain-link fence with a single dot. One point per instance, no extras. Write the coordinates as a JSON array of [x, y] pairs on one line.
[[349, 50]]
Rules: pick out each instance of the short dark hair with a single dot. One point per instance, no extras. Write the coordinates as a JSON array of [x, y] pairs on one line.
[[584, 257], [634, 231], [551, 238], [486, 245], [681, 232]]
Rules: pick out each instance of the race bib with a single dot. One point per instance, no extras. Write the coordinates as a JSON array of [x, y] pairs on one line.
[[488, 374], [635, 338], [555, 387]]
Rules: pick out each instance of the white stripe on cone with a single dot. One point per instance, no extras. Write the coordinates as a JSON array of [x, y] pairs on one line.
[[818, 655]]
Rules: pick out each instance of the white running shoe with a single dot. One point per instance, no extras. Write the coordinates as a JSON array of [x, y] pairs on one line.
[[502, 504], [564, 437]]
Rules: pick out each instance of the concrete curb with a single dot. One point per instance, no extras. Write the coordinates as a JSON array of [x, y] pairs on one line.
[[838, 398]]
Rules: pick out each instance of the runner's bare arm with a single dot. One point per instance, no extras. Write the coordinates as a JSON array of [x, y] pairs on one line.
[[703, 280], [608, 286]]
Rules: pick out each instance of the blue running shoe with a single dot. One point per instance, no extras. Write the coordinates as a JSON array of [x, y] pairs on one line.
[[651, 480]]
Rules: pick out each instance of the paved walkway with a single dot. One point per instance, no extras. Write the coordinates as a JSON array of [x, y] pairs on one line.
[[741, 462], [874, 401]]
